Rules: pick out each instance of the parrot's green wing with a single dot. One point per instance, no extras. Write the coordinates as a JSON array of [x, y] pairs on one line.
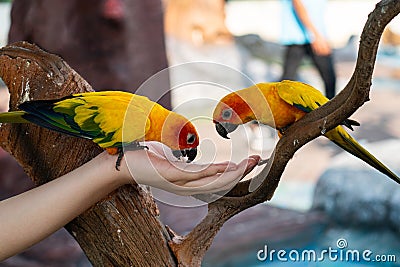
[[301, 95], [109, 118]]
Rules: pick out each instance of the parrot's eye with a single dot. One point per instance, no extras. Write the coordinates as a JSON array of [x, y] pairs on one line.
[[190, 138], [227, 114]]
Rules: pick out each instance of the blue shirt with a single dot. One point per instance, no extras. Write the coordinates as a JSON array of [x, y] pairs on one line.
[[293, 31]]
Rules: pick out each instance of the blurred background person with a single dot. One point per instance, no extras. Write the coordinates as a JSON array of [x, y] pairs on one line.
[[303, 34]]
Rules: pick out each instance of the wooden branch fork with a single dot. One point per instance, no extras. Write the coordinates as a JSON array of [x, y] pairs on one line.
[[124, 229]]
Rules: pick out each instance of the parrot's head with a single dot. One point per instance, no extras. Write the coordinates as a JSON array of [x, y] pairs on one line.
[[230, 112], [181, 136]]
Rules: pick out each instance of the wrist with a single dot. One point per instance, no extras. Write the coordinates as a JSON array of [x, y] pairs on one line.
[[119, 177], [124, 175]]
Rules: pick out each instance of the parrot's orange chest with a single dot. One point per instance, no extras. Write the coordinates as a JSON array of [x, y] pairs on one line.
[[283, 113]]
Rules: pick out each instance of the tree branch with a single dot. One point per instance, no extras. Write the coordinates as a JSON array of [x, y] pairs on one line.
[[191, 248]]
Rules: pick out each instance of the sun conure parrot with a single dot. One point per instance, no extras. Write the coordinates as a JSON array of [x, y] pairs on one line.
[[280, 104], [113, 120]]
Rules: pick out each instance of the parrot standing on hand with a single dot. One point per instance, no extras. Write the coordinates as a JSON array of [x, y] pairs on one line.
[[111, 119], [280, 104]]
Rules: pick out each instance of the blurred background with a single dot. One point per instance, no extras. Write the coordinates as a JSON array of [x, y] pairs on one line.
[[213, 47]]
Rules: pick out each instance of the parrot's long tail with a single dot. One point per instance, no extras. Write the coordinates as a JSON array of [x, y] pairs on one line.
[[341, 138], [13, 117]]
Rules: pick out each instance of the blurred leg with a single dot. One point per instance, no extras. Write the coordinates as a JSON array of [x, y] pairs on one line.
[[293, 57], [326, 69]]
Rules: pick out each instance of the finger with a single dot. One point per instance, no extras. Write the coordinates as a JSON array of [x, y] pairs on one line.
[[252, 162], [245, 167], [218, 168], [221, 182], [197, 171], [249, 164], [217, 182]]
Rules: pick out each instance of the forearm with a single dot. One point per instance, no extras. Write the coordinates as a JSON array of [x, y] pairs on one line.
[[31, 216], [303, 16], [319, 44]]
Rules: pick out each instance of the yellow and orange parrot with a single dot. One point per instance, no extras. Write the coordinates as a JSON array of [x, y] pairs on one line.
[[280, 104], [111, 119]]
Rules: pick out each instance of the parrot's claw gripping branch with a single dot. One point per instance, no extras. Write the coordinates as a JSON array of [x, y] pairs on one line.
[[283, 129], [349, 123], [119, 159], [131, 147]]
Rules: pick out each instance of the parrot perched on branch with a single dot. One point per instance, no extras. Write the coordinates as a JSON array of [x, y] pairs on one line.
[[111, 119], [279, 105]]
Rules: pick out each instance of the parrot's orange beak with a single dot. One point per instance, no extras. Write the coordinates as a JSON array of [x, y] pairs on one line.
[[190, 154], [223, 128]]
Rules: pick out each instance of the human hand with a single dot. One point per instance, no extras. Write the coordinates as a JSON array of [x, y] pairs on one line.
[[157, 167], [320, 45]]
